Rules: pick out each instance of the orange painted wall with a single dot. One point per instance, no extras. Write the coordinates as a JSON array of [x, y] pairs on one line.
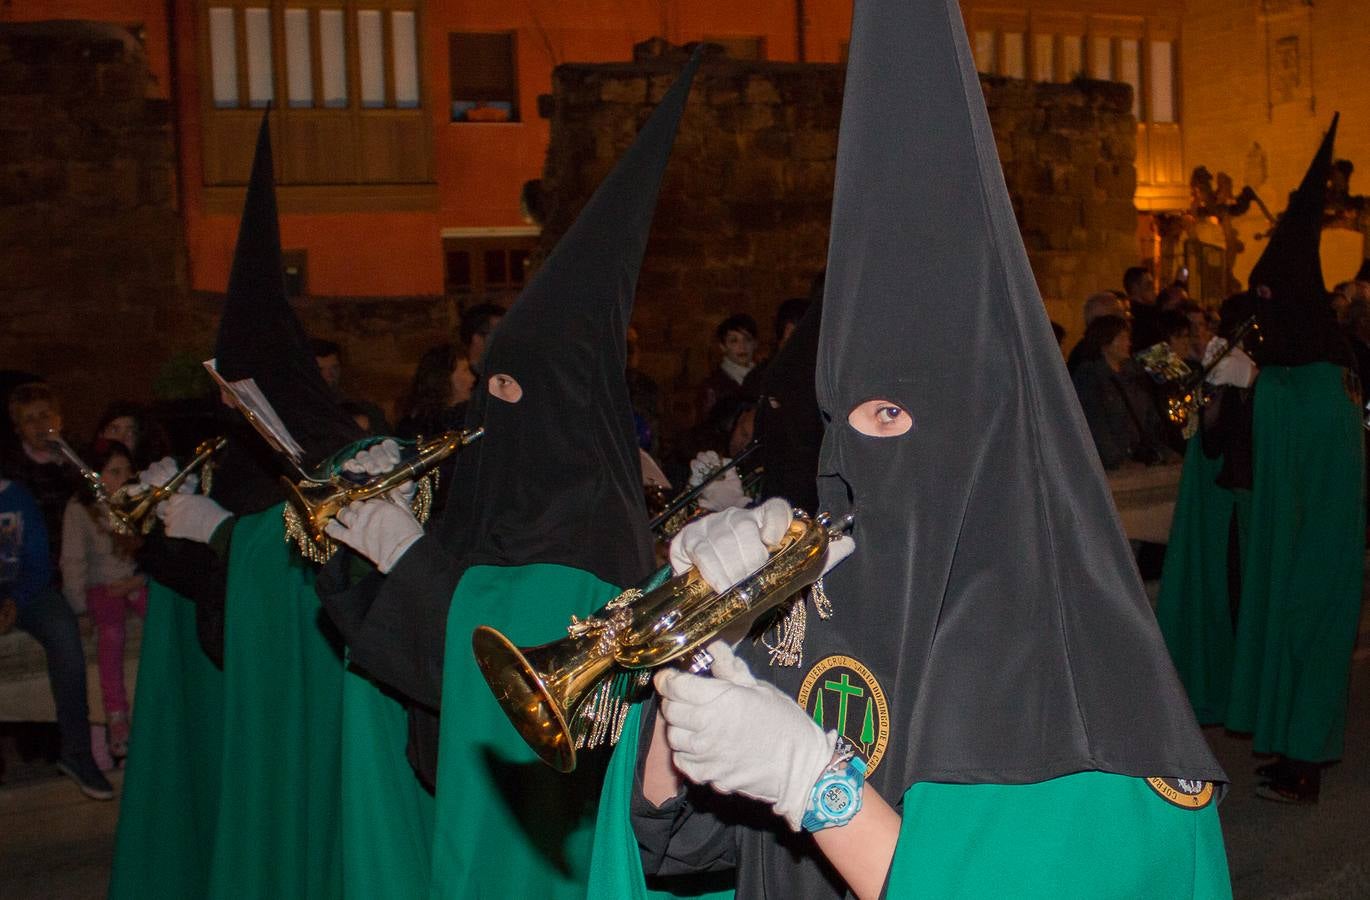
[[479, 168]]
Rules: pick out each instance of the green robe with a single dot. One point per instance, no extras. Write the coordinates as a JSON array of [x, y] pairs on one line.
[[1091, 834], [387, 816], [1301, 594], [171, 779], [278, 831], [1193, 609], [507, 825]]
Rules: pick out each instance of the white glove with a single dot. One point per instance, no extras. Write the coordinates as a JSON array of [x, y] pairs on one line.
[[379, 459], [162, 471], [724, 492], [704, 463], [728, 546], [743, 736], [378, 529], [193, 517], [1236, 369]]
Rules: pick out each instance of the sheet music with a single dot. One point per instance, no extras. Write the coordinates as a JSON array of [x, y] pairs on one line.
[[252, 403]]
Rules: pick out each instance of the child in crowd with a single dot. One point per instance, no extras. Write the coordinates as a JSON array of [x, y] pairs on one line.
[[99, 576]]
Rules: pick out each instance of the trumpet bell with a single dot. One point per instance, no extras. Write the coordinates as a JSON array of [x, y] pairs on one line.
[[536, 687], [561, 694]]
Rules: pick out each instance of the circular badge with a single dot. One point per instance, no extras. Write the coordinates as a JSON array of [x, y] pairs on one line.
[[842, 695], [1183, 792]]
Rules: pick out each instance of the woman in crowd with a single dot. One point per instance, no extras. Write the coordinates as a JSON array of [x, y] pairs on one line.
[[99, 575], [439, 392], [1122, 418]]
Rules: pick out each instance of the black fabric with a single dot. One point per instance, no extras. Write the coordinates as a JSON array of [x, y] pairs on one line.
[[196, 572], [992, 591], [260, 337], [557, 477], [1297, 323], [789, 427], [1363, 273]]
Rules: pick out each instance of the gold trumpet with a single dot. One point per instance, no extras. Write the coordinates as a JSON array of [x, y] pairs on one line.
[[130, 506], [314, 501], [557, 694]]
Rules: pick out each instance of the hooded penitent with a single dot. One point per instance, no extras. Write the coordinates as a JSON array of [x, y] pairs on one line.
[[789, 427], [556, 477], [260, 338], [549, 522], [1297, 323], [992, 604]]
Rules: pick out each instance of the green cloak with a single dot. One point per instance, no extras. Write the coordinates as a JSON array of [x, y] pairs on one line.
[[1092, 834], [1301, 595], [387, 816], [171, 779], [507, 825], [1193, 609], [1103, 835], [278, 831]]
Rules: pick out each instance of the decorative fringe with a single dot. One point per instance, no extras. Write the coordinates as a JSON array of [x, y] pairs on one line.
[[791, 627]]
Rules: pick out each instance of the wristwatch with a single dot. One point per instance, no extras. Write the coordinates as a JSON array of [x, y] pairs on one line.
[[836, 796]]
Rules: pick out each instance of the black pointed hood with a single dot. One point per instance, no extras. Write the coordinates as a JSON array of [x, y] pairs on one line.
[[789, 427], [1297, 322], [260, 338], [992, 594], [557, 477]]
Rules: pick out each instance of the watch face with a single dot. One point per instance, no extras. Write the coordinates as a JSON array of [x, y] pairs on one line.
[[836, 798]]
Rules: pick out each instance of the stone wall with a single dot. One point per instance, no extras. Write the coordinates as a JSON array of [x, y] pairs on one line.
[[742, 221], [92, 264]]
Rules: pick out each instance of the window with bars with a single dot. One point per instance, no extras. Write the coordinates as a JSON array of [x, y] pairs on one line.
[[250, 45], [343, 77], [1064, 56], [487, 266], [483, 76]]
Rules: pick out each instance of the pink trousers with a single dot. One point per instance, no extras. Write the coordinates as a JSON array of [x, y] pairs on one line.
[[107, 610]]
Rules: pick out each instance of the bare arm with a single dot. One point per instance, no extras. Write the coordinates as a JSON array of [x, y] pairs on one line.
[[861, 851], [660, 779]]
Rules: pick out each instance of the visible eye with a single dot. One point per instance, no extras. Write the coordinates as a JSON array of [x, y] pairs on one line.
[[506, 388], [880, 418]]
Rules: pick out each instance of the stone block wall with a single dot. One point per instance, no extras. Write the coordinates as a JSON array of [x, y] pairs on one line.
[[742, 221], [92, 263]]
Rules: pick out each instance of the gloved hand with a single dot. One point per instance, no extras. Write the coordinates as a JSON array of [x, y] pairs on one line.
[[724, 492], [162, 471], [743, 736], [379, 459], [704, 463], [728, 546], [378, 529], [1236, 369], [193, 517]]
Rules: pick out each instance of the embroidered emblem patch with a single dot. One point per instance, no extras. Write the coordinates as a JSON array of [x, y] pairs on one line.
[[1183, 792], [842, 695]]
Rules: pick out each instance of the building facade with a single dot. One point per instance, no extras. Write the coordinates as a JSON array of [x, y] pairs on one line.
[[407, 129]]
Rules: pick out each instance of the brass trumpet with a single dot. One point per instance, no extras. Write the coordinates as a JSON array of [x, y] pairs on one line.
[[130, 506], [552, 693], [315, 500]]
